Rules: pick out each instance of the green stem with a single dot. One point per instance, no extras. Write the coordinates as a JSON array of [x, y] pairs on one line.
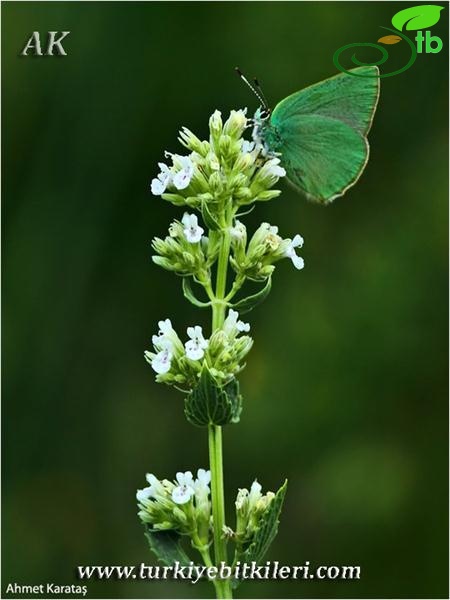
[[223, 587], [218, 505], [204, 551], [219, 305]]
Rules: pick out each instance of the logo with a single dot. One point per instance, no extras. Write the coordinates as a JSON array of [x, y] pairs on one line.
[[54, 46], [416, 18]]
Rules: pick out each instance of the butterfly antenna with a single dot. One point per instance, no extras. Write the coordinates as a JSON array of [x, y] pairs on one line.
[[256, 90], [261, 93]]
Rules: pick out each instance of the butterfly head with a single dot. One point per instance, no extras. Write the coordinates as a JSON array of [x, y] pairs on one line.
[[262, 114]]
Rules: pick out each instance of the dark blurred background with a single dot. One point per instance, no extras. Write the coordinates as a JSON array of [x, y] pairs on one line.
[[346, 387]]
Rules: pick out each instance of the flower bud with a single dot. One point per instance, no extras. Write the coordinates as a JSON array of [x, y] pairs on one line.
[[235, 124], [215, 126], [190, 140], [215, 183], [225, 145]]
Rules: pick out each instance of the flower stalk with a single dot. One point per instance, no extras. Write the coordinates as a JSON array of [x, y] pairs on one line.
[[217, 179]]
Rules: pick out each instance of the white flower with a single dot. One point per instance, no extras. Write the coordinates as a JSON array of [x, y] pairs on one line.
[[162, 340], [161, 181], [241, 326], [196, 346], [232, 323], [241, 499], [239, 231], [255, 494], [201, 487], [247, 146], [203, 479], [297, 261], [144, 494], [162, 361], [183, 177], [272, 167], [185, 490], [192, 230], [165, 327]]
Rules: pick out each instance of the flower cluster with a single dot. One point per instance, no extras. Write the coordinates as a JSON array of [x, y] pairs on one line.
[[182, 505], [250, 507], [223, 353], [256, 260], [226, 166], [186, 250]]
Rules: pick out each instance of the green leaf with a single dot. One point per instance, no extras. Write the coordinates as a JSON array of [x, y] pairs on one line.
[[211, 404], [266, 532], [209, 220], [247, 304], [417, 17], [166, 546], [188, 293]]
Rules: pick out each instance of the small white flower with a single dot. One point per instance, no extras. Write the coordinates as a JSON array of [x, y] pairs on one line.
[[255, 494], [241, 499], [192, 230], [162, 361], [201, 487], [239, 231], [161, 181], [297, 261], [203, 479], [152, 480], [196, 346], [183, 177], [247, 146], [272, 167], [232, 323], [241, 326], [165, 327], [162, 343], [162, 340], [185, 490], [144, 494]]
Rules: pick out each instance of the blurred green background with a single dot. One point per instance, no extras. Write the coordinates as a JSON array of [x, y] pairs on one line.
[[346, 387]]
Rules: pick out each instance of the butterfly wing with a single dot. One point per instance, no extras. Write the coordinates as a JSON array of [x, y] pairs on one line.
[[321, 133]]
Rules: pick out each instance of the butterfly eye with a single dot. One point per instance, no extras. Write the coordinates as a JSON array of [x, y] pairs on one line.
[[265, 113]]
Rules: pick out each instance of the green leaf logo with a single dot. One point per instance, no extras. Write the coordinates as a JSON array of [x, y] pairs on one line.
[[417, 17]]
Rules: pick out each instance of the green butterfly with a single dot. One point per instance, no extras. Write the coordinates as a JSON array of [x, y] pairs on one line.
[[320, 133]]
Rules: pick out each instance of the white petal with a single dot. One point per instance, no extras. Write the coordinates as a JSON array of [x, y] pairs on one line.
[[193, 234], [165, 326], [152, 480], [241, 326], [182, 179], [204, 476], [144, 494], [193, 350], [162, 361], [182, 494], [297, 261], [185, 478], [297, 242], [158, 187]]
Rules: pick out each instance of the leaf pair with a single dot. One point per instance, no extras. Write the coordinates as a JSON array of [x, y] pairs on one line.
[[212, 404]]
